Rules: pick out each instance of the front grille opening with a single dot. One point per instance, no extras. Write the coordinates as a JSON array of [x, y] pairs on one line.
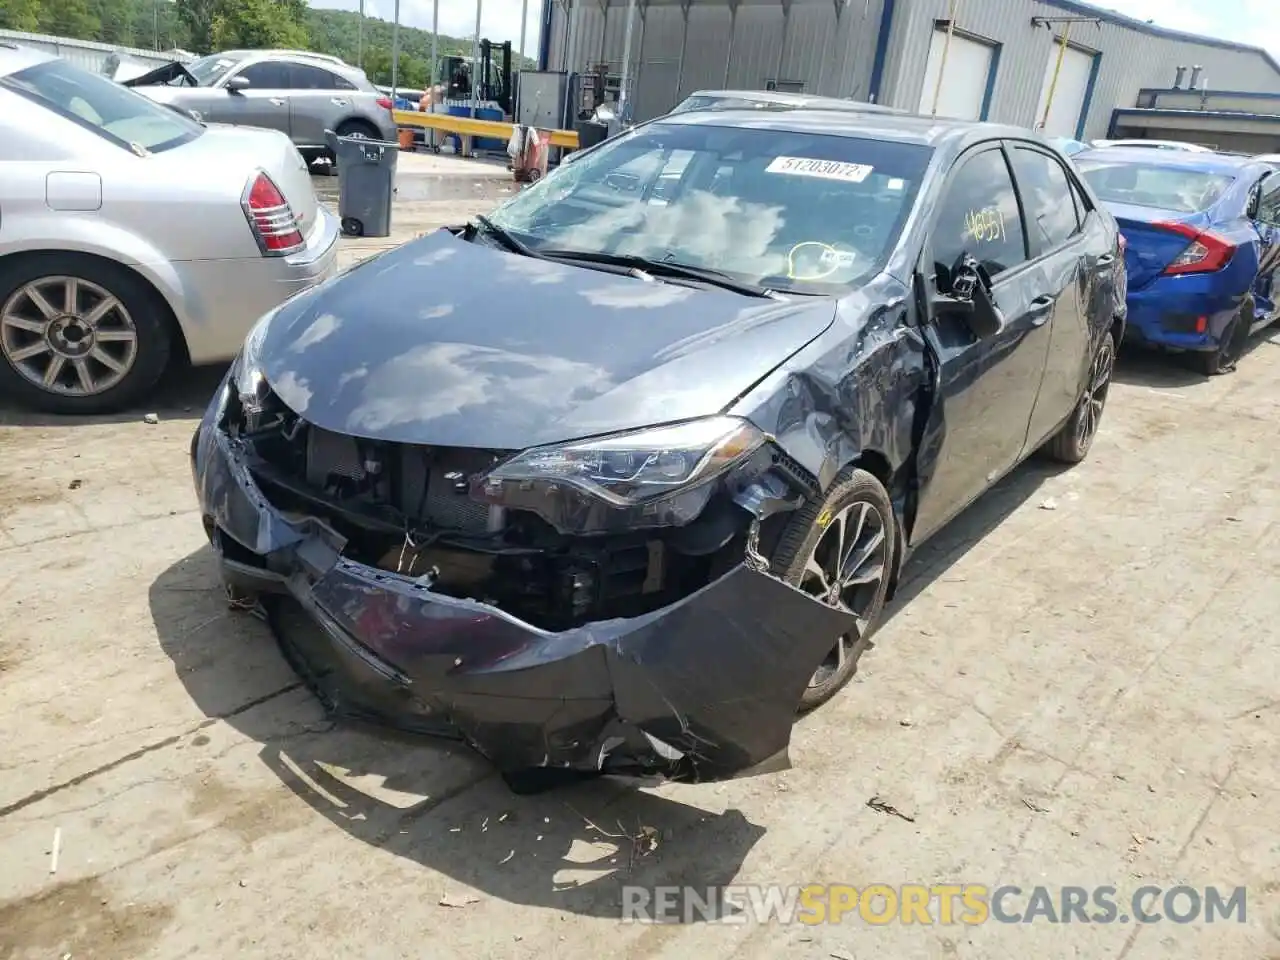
[[407, 509]]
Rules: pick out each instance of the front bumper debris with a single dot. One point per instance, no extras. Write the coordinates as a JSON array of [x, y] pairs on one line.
[[704, 689]]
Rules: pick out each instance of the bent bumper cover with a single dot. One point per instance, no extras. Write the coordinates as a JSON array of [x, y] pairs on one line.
[[704, 689]]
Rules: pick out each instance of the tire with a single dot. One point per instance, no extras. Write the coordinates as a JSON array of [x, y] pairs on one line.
[[809, 536], [1072, 442], [1213, 363], [120, 371], [352, 227]]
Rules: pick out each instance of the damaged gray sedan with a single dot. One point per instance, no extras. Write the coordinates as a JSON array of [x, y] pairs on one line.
[[620, 476]]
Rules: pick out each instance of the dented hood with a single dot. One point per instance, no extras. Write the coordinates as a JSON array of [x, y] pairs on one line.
[[131, 74], [449, 343]]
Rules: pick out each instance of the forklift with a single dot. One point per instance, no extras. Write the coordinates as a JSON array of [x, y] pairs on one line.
[[494, 80]]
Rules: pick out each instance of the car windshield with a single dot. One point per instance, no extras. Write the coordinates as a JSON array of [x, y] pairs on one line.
[[1151, 185], [208, 70], [114, 112], [782, 209]]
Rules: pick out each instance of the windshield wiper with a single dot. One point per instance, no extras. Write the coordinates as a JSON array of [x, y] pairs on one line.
[[662, 268], [505, 237]]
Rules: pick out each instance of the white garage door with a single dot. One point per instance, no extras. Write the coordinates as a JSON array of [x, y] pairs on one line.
[[1068, 95], [964, 84]]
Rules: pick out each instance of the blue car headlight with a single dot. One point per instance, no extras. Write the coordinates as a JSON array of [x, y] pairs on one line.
[[654, 477]]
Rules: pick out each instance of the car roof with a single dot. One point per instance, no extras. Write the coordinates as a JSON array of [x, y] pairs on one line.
[[1155, 144], [1185, 159], [872, 124], [788, 98], [14, 57]]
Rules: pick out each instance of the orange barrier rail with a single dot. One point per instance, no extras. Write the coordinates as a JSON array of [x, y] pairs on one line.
[[472, 127]]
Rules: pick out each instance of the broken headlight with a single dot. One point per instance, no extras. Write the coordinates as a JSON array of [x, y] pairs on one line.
[[250, 384], [656, 477]]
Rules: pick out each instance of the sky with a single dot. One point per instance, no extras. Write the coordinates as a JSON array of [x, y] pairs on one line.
[[1255, 22]]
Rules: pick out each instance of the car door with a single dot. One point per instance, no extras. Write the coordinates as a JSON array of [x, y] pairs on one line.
[[1064, 269], [985, 386], [316, 103], [263, 103], [1266, 220]]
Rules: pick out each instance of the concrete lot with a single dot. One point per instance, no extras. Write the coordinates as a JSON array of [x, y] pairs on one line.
[[1078, 685]]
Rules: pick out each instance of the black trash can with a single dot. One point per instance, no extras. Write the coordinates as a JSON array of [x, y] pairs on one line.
[[590, 133], [366, 183]]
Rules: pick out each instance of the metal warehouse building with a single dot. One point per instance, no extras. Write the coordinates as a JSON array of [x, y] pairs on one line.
[[1000, 62]]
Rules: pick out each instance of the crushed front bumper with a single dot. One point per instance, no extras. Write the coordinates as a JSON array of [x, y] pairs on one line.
[[704, 689]]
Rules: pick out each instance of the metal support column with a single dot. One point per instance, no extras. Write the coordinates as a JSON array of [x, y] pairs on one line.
[[643, 9], [395, 52], [684, 44], [826, 39], [733, 28], [624, 99], [476, 79], [359, 37], [515, 100], [435, 46], [782, 47]]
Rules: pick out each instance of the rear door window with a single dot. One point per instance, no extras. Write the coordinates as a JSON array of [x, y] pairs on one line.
[[979, 215], [267, 75], [1046, 199], [304, 77]]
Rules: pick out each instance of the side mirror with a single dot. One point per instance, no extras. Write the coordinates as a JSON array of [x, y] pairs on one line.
[[238, 83], [964, 290]]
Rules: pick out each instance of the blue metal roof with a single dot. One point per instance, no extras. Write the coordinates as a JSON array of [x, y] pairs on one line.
[[1110, 16]]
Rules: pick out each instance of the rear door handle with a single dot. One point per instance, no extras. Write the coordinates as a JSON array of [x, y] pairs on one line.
[[338, 101], [277, 101], [1040, 309]]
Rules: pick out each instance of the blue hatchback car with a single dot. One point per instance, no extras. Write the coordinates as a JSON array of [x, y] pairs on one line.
[[1202, 234]]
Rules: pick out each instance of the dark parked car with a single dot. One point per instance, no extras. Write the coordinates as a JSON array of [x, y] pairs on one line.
[[620, 476], [1203, 246]]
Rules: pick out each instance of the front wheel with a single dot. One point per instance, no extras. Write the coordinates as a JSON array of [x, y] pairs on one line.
[[1072, 442], [839, 550]]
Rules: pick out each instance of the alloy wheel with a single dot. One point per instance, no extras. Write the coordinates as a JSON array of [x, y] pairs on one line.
[[846, 569], [1095, 394], [67, 335]]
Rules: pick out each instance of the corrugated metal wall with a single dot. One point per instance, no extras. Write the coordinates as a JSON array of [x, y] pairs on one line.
[[827, 62], [87, 54], [1130, 59], [840, 63]]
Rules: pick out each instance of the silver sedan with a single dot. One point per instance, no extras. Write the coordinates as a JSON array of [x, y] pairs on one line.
[[132, 237]]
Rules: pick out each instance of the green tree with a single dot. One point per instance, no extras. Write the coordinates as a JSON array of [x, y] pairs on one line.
[[255, 24], [197, 16], [69, 18], [116, 20], [20, 14]]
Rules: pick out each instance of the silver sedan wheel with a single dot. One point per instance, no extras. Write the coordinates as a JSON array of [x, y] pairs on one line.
[[845, 570], [68, 336]]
